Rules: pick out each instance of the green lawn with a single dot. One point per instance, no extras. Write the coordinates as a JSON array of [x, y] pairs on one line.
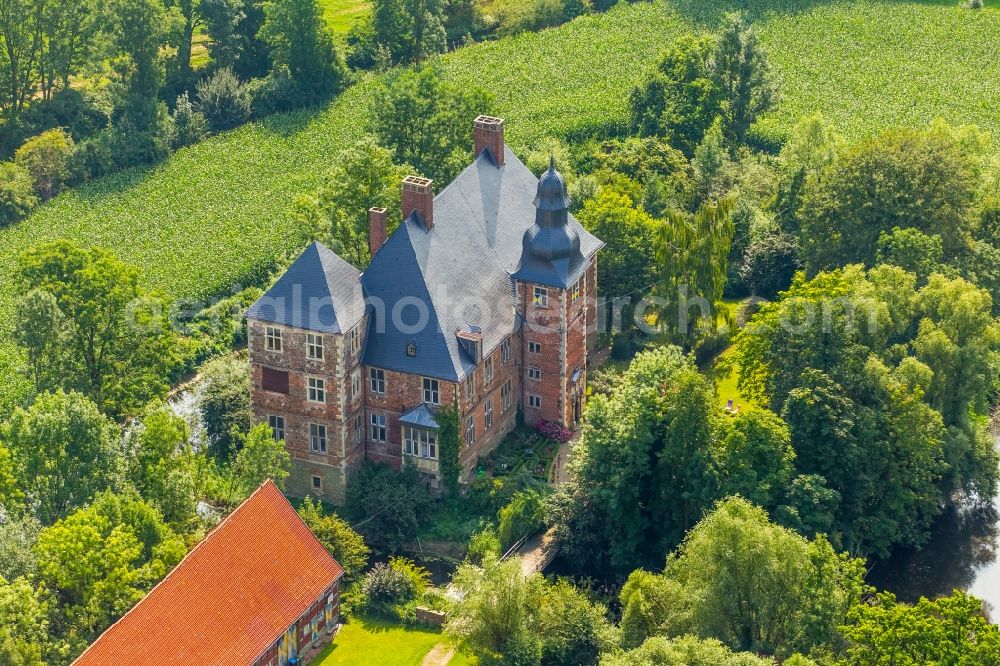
[[381, 643], [340, 15], [214, 214]]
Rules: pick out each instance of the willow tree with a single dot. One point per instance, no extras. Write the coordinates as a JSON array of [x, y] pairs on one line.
[[692, 252]]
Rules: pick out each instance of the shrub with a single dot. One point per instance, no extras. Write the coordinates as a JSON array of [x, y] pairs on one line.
[[524, 516], [482, 545], [553, 430], [224, 100], [388, 587], [389, 502], [46, 157], [91, 159], [190, 125], [17, 193], [273, 93]]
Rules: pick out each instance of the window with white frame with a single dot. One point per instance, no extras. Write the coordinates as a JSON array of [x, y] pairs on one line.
[[534, 373], [273, 339], [505, 397], [377, 379], [420, 443], [534, 348], [470, 384], [432, 394], [535, 401], [355, 339], [317, 438], [317, 483], [277, 424], [505, 351], [358, 429], [488, 370], [316, 389], [578, 288], [488, 411], [314, 346], [470, 431], [378, 427], [541, 297]]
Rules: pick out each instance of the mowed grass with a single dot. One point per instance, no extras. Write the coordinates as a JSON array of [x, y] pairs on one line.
[[208, 217], [367, 641], [340, 15]]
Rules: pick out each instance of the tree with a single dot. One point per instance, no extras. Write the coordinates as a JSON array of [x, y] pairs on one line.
[[682, 99], [301, 44], [627, 264], [17, 193], [812, 147], [343, 543], [426, 122], [223, 100], [684, 651], [190, 124], [117, 346], [411, 30], [17, 542], [234, 26], [64, 451], [496, 615], [756, 459], [920, 179], [949, 630], [882, 386], [40, 327], [386, 505], [769, 264], [161, 464], [224, 397], [653, 433], [692, 251], [24, 623], [68, 34], [190, 21], [139, 29], [760, 587], [102, 559], [21, 48], [363, 177], [743, 73], [573, 630], [46, 157], [259, 457]]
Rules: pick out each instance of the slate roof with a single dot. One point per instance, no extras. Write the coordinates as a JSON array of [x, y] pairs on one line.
[[420, 416], [319, 291], [231, 598], [462, 269]]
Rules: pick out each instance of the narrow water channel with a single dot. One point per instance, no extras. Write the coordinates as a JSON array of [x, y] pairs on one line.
[[963, 553]]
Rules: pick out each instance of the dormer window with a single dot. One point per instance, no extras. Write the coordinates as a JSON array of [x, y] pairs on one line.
[[411, 349], [273, 339], [541, 298]]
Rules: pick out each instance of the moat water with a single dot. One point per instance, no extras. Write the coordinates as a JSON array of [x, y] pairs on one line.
[[963, 553]]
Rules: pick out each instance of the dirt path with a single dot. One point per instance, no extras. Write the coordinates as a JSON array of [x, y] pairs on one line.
[[440, 655]]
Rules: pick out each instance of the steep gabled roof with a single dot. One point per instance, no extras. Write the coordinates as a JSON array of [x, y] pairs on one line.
[[319, 291], [460, 268], [233, 595]]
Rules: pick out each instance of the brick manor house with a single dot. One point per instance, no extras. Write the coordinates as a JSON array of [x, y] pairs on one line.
[[484, 297]]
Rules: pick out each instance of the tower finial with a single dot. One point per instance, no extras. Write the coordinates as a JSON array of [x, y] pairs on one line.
[[552, 162]]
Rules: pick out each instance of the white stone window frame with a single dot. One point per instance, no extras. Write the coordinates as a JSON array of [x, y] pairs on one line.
[[488, 413], [277, 429], [431, 390], [534, 373], [316, 390], [535, 401], [317, 438], [379, 427], [420, 443], [540, 297], [534, 347], [315, 347], [377, 380], [274, 339]]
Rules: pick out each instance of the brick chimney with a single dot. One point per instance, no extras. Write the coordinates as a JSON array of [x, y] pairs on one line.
[[418, 196], [488, 133], [377, 229]]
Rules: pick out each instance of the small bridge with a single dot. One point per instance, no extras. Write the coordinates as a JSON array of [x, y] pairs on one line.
[[536, 552]]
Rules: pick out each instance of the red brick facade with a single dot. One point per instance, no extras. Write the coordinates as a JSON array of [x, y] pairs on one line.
[[321, 617]]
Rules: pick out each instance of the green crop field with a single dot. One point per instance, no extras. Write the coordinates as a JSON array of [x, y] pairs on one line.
[[207, 217]]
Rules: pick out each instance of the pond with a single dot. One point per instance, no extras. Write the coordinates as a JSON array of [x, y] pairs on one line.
[[963, 553]]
